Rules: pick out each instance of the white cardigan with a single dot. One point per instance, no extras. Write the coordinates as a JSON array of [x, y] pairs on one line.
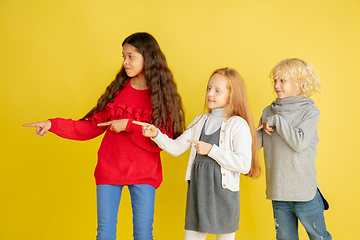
[[233, 153]]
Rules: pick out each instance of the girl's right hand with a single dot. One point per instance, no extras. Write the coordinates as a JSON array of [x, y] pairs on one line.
[[149, 130], [41, 127]]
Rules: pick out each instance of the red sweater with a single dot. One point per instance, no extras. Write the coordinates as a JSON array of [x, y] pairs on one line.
[[124, 158]]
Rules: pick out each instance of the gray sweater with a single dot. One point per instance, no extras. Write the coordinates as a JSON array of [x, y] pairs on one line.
[[290, 151]]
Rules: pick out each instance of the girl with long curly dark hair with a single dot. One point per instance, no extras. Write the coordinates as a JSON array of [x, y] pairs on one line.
[[144, 90]]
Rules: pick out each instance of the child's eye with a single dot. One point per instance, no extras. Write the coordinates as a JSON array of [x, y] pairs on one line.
[[123, 57], [208, 88], [130, 57]]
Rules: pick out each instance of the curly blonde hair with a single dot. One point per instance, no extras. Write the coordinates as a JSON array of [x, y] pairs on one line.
[[301, 72]]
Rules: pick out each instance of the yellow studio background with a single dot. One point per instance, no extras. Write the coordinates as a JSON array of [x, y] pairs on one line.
[[57, 57]]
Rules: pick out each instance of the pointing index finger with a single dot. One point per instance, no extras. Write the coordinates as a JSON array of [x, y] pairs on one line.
[[104, 124], [30, 125], [192, 141], [140, 123]]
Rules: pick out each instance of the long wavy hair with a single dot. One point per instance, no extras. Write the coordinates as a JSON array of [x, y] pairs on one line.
[[239, 106], [167, 109]]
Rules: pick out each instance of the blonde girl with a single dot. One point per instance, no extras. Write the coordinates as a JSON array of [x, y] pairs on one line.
[[223, 146]]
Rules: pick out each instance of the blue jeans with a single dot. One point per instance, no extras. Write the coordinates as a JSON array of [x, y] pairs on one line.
[[310, 214], [142, 201]]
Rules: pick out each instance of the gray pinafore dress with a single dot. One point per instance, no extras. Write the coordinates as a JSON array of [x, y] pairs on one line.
[[210, 208]]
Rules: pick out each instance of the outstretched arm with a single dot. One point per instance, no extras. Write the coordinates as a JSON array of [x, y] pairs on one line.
[[80, 130], [174, 147], [150, 130]]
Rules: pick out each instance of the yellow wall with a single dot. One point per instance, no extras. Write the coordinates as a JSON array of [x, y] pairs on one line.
[[57, 57]]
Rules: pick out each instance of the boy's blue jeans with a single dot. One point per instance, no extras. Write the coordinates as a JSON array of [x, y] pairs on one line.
[[142, 201], [310, 214]]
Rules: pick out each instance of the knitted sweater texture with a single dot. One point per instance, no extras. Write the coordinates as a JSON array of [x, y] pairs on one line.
[[290, 152], [124, 158]]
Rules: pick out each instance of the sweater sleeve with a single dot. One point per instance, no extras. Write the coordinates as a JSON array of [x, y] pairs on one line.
[[174, 147], [81, 130], [238, 159], [179, 145], [297, 137]]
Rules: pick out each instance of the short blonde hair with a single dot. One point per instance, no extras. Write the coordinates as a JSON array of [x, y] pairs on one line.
[[301, 72]]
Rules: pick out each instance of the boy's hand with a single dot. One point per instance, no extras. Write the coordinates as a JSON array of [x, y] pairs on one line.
[[115, 125], [201, 147], [149, 130], [266, 127], [41, 127]]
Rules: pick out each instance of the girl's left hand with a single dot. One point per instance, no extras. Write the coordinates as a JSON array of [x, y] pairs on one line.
[[116, 125], [201, 147]]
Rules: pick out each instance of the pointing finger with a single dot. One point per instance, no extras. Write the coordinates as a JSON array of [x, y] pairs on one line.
[[260, 127], [193, 141], [105, 124], [30, 125], [140, 123]]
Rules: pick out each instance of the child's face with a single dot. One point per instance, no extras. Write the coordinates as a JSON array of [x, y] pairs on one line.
[[133, 61], [217, 95], [285, 87]]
